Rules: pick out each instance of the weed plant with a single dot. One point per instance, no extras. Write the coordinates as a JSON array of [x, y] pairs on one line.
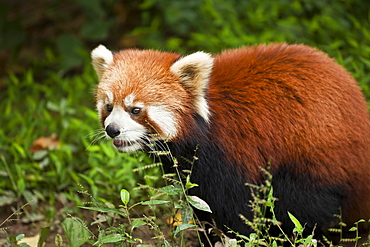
[[117, 226], [178, 208]]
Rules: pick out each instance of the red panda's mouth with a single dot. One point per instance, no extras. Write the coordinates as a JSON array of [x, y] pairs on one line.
[[126, 146], [120, 143]]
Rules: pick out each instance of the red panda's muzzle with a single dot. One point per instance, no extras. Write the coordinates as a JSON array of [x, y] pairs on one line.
[[122, 146], [122, 142], [112, 131]]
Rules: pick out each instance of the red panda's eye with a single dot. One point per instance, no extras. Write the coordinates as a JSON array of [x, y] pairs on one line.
[[136, 111], [109, 108]]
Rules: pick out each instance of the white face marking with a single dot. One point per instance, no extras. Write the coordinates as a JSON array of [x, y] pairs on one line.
[[165, 119], [100, 103], [129, 100], [131, 132], [110, 97], [99, 107]]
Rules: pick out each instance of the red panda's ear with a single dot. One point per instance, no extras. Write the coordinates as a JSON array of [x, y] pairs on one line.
[[101, 59], [194, 72]]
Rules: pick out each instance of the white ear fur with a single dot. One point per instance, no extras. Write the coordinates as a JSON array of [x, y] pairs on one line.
[[101, 59], [194, 72]]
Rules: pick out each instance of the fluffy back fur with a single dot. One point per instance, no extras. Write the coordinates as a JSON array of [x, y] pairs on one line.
[[287, 105]]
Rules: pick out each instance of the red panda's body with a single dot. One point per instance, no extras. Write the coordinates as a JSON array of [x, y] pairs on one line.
[[289, 106]]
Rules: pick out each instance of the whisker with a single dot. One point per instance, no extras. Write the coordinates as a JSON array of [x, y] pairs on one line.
[[161, 146], [131, 142], [156, 147], [95, 133], [147, 142], [97, 136]]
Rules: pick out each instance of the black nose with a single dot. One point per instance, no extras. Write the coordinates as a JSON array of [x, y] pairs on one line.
[[112, 130]]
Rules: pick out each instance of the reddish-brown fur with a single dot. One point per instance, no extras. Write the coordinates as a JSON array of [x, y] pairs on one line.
[[307, 109]]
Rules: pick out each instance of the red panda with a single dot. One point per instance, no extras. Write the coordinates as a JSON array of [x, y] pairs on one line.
[[287, 106]]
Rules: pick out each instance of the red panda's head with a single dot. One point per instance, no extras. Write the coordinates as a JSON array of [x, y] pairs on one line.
[[146, 95]]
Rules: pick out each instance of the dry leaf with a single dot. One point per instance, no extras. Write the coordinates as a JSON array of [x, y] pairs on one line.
[[31, 241], [176, 220], [42, 143]]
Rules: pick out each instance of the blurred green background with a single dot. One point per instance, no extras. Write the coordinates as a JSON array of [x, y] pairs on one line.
[[47, 82]]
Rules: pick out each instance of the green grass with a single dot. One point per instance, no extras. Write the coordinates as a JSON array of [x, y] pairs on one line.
[[41, 106]]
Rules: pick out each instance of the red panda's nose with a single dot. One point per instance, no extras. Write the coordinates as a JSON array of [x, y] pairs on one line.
[[112, 130]]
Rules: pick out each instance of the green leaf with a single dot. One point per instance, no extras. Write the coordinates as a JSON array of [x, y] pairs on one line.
[[7, 198], [308, 241], [188, 184], [23, 245], [43, 235], [186, 213], [111, 238], [137, 222], [270, 200], [296, 223], [19, 237], [21, 185], [182, 227], [125, 196], [170, 190], [21, 150], [353, 229], [198, 203], [154, 202], [274, 244], [39, 155], [232, 243], [166, 243], [105, 210], [76, 232], [52, 106]]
